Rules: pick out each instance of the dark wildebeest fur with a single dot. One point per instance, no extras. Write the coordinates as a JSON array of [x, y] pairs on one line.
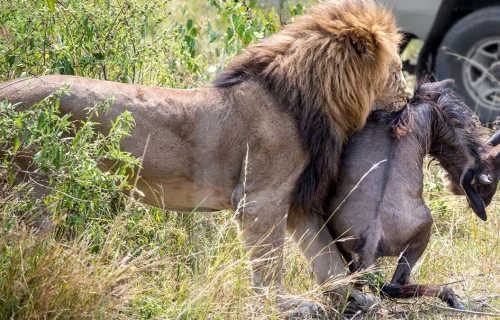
[[386, 214]]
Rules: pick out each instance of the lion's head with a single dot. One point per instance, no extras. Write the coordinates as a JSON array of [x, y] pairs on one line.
[[395, 93], [327, 69]]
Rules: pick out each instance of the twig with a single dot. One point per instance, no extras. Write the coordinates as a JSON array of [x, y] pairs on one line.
[[485, 298], [14, 82], [134, 188], [55, 190], [464, 311], [450, 283]]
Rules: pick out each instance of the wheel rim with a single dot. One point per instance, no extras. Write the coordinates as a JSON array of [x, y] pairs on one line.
[[481, 73]]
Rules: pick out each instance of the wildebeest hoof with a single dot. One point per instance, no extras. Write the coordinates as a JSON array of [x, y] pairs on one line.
[[461, 307], [301, 309], [361, 302]]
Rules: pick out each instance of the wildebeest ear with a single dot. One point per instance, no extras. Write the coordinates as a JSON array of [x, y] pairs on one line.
[[475, 201]]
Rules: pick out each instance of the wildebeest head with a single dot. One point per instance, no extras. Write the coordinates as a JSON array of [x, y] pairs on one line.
[[457, 144], [480, 185]]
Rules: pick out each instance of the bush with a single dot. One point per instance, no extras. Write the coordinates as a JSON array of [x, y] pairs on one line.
[[109, 257], [127, 41], [106, 256]]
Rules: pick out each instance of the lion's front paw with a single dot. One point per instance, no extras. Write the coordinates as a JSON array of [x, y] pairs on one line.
[[296, 308], [361, 302]]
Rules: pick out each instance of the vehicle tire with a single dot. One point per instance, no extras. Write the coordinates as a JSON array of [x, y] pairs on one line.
[[470, 54]]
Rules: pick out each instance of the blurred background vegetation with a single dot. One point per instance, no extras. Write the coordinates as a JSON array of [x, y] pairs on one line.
[[159, 42], [109, 257]]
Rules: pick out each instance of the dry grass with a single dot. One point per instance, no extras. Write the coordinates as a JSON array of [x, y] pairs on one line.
[[157, 265], [195, 267], [463, 252], [43, 278]]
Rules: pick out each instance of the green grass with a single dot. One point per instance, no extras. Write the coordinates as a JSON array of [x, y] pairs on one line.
[[123, 260], [464, 252], [155, 264]]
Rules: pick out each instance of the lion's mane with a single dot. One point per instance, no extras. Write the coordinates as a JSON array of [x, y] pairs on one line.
[[325, 69]]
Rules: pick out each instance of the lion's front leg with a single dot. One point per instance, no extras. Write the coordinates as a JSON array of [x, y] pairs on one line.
[[263, 230], [262, 226], [318, 247]]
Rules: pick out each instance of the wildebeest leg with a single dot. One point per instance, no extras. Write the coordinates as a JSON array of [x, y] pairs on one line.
[[401, 287], [405, 264], [444, 293], [367, 247], [367, 251], [412, 253], [367, 255]]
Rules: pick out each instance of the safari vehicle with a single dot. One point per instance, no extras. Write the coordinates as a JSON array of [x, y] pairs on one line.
[[461, 40]]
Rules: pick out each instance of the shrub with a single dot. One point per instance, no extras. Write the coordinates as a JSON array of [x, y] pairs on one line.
[[106, 256]]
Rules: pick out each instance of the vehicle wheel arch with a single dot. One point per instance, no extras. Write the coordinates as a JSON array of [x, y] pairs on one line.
[[450, 12]]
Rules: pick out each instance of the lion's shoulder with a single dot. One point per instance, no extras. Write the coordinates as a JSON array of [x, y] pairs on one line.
[[325, 70]]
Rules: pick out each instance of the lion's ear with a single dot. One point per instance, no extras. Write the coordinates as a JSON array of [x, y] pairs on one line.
[[363, 41]]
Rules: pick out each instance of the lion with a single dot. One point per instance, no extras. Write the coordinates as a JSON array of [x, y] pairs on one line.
[[264, 139]]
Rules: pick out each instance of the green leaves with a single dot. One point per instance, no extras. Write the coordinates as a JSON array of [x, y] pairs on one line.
[[50, 4], [68, 164], [245, 23], [56, 156], [297, 10], [128, 41], [98, 55], [17, 143], [189, 24]]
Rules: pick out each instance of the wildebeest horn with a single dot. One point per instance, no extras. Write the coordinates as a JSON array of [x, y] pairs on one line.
[[475, 201], [495, 139], [484, 179]]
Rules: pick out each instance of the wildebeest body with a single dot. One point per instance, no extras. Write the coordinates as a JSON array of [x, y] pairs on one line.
[[378, 196]]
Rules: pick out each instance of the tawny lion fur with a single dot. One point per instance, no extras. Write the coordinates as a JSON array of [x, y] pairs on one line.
[[327, 69], [265, 139]]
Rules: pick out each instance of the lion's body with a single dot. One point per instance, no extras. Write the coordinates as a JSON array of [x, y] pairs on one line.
[[265, 140], [191, 162]]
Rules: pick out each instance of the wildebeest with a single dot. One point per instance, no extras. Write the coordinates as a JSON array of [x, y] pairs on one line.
[[386, 214]]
